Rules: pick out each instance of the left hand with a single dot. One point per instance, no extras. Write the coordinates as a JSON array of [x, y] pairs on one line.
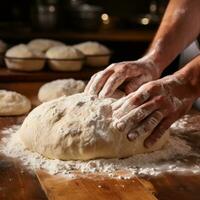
[[153, 108]]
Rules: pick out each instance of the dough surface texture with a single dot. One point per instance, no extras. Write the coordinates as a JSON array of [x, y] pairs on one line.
[[22, 58], [13, 103], [79, 127], [23, 51], [43, 44], [60, 87], [92, 48], [64, 52]]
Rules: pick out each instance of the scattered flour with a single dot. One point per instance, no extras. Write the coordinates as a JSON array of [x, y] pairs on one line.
[[189, 122], [172, 158], [142, 164]]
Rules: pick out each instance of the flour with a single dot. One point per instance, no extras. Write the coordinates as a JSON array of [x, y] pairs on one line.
[[170, 159], [179, 13]]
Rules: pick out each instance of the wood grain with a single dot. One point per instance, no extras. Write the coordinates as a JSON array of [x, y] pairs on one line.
[[95, 188], [16, 183]]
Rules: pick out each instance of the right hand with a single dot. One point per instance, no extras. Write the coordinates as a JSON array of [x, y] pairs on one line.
[[129, 76]]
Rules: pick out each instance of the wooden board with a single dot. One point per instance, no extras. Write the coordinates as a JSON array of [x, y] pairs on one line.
[[93, 188]]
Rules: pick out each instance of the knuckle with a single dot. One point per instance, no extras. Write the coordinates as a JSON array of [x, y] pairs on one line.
[[111, 66], [135, 100], [153, 121], [159, 99], [159, 133]]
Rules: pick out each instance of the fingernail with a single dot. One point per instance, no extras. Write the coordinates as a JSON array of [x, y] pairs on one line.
[[120, 126], [132, 136]]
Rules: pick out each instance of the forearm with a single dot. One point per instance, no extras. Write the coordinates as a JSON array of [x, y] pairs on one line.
[[190, 76], [179, 27]]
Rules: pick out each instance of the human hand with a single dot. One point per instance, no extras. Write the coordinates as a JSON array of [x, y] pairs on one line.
[[130, 75], [152, 108]]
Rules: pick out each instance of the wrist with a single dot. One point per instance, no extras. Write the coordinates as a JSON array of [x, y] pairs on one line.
[[153, 62], [187, 81]]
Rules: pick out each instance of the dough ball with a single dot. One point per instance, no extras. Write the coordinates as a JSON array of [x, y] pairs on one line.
[[22, 58], [97, 55], [13, 103], [43, 44], [79, 127], [3, 46], [58, 88], [92, 48], [65, 58]]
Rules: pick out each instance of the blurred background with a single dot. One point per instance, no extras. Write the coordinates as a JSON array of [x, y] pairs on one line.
[[125, 26], [119, 24]]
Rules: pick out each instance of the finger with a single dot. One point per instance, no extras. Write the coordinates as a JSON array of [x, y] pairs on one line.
[[134, 84], [147, 126], [94, 76], [98, 81], [131, 86], [113, 82], [89, 83], [158, 132], [119, 103], [135, 116], [135, 99], [118, 94]]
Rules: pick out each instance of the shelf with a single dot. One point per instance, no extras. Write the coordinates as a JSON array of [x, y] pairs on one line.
[[112, 35], [7, 75]]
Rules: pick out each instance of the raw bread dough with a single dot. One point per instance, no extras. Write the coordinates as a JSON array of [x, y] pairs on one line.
[[13, 103], [64, 52], [92, 48], [23, 51], [43, 44], [97, 55], [79, 127], [22, 58], [65, 58], [60, 87]]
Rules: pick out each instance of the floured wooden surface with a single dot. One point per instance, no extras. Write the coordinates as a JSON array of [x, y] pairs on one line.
[[180, 182], [94, 187]]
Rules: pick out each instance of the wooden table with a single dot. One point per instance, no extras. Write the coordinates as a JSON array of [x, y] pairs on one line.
[[16, 183]]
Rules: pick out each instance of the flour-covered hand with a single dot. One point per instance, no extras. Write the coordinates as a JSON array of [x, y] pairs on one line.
[[153, 108], [129, 75]]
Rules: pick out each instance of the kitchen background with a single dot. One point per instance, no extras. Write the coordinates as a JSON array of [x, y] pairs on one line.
[[127, 26]]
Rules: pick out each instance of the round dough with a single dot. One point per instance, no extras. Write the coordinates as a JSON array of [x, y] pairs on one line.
[[43, 44], [60, 87], [97, 55], [21, 57], [23, 51], [13, 103], [65, 58], [79, 127], [92, 48]]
